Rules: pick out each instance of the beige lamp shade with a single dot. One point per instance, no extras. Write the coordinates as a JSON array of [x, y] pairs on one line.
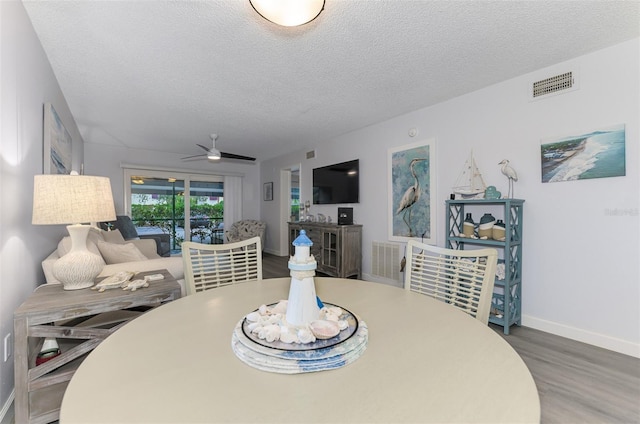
[[71, 199], [288, 12], [74, 199]]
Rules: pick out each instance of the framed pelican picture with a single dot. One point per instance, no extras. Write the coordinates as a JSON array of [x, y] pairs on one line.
[[412, 185]]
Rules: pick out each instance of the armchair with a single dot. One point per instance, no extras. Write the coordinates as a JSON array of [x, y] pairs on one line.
[[129, 232], [246, 229]]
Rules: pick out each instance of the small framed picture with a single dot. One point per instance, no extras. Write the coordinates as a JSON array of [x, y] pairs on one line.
[[267, 191]]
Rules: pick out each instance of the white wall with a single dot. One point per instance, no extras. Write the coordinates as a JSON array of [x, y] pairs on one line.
[[581, 275], [581, 272], [106, 160], [26, 83]]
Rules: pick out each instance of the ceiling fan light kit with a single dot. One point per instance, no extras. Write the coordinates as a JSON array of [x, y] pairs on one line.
[[288, 13], [211, 153]]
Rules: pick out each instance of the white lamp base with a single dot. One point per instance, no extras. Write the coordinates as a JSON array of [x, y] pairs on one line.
[[78, 268]]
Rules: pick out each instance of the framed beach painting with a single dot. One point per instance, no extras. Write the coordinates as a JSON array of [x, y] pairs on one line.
[[57, 143], [412, 186], [596, 154]]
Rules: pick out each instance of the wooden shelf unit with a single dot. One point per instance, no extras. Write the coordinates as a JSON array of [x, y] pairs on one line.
[[507, 293], [79, 320]]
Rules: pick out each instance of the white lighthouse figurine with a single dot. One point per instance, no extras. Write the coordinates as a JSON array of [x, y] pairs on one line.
[[302, 307]]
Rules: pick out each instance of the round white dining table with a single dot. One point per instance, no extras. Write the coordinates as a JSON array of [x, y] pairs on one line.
[[425, 361]]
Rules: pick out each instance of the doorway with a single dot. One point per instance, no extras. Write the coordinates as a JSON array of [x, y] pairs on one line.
[[289, 203]]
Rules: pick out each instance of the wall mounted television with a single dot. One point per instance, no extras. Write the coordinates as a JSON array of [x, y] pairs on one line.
[[338, 183]]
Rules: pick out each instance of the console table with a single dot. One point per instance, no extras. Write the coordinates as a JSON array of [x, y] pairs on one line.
[[336, 248], [79, 320]]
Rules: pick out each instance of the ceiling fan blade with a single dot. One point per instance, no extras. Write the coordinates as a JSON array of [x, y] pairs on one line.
[[195, 156], [206, 149], [225, 155]]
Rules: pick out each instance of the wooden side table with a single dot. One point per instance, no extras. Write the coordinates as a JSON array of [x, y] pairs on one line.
[[79, 320]]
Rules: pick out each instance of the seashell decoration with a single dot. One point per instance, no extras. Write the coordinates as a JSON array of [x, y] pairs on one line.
[[288, 336], [272, 332], [134, 285], [281, 307], [114, 281], [254, 317], [305, 335], [270, 324], [324, 329]]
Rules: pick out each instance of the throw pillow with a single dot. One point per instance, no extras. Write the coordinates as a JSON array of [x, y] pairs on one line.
[[113, 236], [118, 253]]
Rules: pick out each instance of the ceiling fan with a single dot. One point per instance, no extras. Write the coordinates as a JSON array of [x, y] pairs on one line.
[[211, 153]]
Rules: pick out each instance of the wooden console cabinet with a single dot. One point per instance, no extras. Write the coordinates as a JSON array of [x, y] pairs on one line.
[[337, 248], [79, 320]]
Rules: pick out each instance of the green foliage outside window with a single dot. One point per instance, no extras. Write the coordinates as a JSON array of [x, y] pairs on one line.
[[169, 211]]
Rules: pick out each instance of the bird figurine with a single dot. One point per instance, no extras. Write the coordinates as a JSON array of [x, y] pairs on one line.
[[510, 173], [410, 197]]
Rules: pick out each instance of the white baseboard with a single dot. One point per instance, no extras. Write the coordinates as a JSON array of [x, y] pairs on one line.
[[7, 406], [573, 333]]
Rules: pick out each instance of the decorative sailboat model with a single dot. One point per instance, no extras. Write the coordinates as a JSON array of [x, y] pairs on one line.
[[470, 184]]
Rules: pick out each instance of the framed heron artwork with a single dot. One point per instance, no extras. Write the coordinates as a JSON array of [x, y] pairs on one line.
[[412, 186]]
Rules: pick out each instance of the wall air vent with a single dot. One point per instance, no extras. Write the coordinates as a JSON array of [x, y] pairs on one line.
[[385, 260], [554, 85], [311, 154]]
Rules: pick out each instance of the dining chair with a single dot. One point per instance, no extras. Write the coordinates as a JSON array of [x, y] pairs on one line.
[[461, 278], [208, 266]]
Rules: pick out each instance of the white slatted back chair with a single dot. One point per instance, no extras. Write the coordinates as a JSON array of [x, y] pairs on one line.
[[208, 266], [461, 278]]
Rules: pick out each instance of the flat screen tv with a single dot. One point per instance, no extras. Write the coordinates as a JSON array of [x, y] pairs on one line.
[[339, 183]]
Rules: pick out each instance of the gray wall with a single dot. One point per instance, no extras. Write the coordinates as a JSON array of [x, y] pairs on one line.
[[26, 84], [580, 268]]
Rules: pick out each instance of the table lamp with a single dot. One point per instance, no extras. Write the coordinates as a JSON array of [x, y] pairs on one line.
[[74, 199]]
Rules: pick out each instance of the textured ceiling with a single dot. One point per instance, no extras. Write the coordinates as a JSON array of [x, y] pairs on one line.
[[163, 75]]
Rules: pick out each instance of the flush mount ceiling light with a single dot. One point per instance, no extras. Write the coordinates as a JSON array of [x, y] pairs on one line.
[[288, 12]]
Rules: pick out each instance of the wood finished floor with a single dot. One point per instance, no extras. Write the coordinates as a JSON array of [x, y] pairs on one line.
[[577, 383]]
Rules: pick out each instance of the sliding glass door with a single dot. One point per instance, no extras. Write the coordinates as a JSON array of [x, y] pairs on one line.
[[158, 202], [207, 211]]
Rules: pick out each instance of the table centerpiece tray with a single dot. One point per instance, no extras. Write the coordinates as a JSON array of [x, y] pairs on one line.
[[343, 336], [294, 358]]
